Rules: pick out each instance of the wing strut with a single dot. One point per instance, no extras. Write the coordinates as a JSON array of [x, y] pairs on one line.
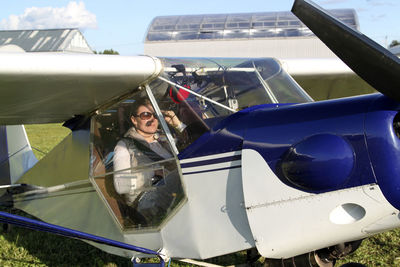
[[55, 229]]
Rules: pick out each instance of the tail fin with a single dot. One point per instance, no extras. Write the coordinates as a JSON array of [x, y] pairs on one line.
[[16, 156]]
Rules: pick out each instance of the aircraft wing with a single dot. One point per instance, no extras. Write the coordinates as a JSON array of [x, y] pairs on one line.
[[326, 78], [50, 87]]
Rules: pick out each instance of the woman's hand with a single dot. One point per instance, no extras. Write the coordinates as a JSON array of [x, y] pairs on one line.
[[171, 118]]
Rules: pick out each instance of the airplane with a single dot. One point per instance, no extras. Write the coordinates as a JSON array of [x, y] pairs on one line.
[[258, 164]]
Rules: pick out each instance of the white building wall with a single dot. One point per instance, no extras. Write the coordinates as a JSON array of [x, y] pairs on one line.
[[76, 43], [299, 47]]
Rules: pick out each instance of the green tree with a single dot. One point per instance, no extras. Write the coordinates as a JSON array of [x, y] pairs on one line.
[[394, 43], [107, 52]]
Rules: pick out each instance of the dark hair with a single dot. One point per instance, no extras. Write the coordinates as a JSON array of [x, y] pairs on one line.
[[138, 103]]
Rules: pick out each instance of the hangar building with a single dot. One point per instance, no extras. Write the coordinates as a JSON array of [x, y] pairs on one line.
[[266, 34], [53, 40]]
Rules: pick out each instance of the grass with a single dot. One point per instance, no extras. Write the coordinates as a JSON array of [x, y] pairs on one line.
[[44, 137], [22, 247], [379, 250]]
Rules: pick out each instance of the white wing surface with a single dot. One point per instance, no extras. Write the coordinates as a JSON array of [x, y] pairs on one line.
[[50, 87], [326, 78]]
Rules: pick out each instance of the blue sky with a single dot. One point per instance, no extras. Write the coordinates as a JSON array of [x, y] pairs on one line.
[[122, 24]]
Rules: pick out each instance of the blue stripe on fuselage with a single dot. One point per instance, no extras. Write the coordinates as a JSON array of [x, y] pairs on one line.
[[212, 170], [210, 161]]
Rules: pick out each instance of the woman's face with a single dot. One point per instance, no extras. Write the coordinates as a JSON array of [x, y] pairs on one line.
[[144, 125]]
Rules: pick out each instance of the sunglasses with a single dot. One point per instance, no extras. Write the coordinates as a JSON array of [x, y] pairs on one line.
[[145, 115]]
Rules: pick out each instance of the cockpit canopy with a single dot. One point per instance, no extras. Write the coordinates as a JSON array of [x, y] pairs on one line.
[[200, 93], [234, 83]]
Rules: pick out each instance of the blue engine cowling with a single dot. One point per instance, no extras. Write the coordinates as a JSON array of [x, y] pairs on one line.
[[317, 147]]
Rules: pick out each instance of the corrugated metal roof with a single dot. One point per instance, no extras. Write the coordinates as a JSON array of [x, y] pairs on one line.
[[236, 26], [53, 40]]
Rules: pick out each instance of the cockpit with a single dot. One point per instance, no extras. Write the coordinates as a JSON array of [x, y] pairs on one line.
[[135, 143]]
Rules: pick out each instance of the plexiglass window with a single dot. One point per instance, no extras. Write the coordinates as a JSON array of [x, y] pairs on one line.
[[202, 92], [133, 165]]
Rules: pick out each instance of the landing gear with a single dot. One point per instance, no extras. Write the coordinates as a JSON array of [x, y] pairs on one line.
[[339, 251], [322, 258], [306, 260]]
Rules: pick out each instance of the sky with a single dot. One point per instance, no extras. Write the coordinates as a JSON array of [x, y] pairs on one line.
[[121, 25]]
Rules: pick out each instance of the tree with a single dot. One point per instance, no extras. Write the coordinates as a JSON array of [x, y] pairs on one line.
[[394, 43], [107, 52]]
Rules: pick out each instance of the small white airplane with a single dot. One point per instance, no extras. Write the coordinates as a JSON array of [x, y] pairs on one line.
[[256, 163]]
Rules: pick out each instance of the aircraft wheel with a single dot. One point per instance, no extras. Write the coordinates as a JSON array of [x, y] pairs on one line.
[[307, 260]]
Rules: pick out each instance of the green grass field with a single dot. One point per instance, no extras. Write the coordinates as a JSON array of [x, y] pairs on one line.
[[22, 247]]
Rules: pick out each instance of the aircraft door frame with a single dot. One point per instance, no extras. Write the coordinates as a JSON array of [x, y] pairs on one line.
[[162, 120], [166, 193]]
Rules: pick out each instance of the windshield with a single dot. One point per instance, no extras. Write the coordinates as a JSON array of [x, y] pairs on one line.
[[201, 91], [219, 87]]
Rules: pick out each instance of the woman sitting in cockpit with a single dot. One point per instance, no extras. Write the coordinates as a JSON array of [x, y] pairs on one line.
[[141, 145]]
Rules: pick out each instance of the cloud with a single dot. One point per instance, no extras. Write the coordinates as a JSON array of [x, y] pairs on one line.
[[381, 3], [377, 17], [74, 15], [331, 2], [361, 9]]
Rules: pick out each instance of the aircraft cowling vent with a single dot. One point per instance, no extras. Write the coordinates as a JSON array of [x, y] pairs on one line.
[[318, 163], [396, 125]]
